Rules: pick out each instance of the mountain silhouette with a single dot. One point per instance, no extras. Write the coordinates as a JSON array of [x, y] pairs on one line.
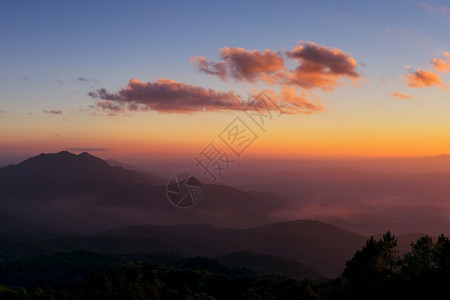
[[15, 228], [317, 246], [84, 193], [268, 264], [322, 246]]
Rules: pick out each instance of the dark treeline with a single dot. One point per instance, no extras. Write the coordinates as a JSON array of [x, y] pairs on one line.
[[192, 278], [377, 271]]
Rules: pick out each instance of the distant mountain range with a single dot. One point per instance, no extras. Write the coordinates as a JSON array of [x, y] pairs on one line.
[[369, 203], [73, 266], [268, 264], [15, 228], [309, 247], [86, 194], [319, 246], [70, 195]]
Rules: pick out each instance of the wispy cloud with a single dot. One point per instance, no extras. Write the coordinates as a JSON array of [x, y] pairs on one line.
[[54, 112], [442, 65], [88, 80], [424, 5], [429, 7], [290, 102], [424, 78], [210, 67], [401, 96]]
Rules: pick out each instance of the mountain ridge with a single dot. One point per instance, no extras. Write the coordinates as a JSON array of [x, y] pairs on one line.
[[86, 194]]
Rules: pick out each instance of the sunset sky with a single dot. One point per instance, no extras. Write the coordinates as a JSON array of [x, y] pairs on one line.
[[354, 78]]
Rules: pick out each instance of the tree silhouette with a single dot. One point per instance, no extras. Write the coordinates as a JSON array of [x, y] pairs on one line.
[[420, 261]]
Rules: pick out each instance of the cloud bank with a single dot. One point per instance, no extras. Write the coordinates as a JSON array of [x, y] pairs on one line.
[[314, 67], [166, 95], [317, 66]]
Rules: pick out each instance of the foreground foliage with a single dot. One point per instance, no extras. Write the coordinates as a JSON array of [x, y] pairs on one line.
[[195, 278], [377, 271]]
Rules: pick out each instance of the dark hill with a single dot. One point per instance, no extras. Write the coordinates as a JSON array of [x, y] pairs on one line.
[[322, 246], [12, 227], [268, 264], [83, 193]]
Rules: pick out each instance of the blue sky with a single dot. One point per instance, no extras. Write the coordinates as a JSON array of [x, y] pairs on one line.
[[46, 46]]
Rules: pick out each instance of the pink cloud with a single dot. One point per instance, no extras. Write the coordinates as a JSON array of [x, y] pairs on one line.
[[421, 78], [166, 95], [290, 103], [401, 96], [425, 5], [442, 65], [318, 66], [445, 10], [210, 67], [242, 65], [169, 96], [251, 65]]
